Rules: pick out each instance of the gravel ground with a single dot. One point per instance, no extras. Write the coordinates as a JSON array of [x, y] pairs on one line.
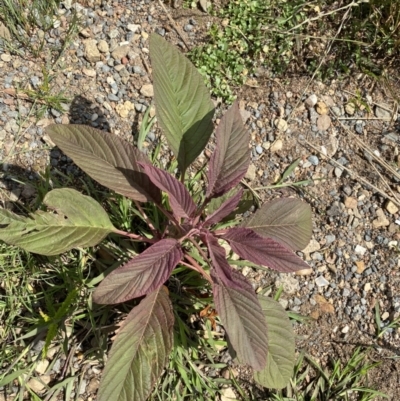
[[353, 256]]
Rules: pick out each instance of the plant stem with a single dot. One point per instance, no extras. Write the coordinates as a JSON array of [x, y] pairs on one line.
[[135, 237], [146, 218], [194, 265], [198, 247]]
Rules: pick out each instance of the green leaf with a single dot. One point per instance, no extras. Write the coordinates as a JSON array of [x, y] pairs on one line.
[[281, 346], [183, 105], [108, 159], [77, 220], [240, 313], [140, 350], [287, 221]]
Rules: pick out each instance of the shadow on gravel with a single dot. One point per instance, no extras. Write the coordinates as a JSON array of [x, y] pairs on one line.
[[20, 183]]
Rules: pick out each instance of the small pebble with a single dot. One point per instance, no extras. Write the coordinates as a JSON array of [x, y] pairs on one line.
[[313, 160], [321, 281]]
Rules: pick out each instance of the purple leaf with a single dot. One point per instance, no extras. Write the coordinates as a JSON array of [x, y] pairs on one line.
[[287, 221], [231, 158], [181, 202], [243, 319], [141, 275], [225, 209], [108, 159], [140, 351], [222, 268], [263, 251]]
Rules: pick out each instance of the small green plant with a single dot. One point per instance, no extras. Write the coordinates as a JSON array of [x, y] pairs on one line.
[[381, 328], [250, 33], [337, 381], [185, 233], [28, 22]]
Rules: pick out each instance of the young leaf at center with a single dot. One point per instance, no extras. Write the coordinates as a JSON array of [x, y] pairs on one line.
[[181, 202], [140, 350], [231, 158]]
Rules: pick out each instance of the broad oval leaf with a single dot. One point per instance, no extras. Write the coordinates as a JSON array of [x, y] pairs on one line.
[[243, 319], [263, 251], [281, 346], [77, 221], [141, 275], [140, 350], [287, 221], [183, 105], [106, 158], [181, 202], [225, 209], [231, 158]]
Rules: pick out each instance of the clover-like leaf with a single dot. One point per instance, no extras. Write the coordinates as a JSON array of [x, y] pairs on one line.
[[181, 202], [281, 346], [225, 209], [75, 220], [243, 319], [263, 251], [140, 350], [287, 221], [183, 105], [108, 159], [141, 275], [231, 158]]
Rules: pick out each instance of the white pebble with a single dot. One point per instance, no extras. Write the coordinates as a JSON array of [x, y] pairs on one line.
[[360, 250]]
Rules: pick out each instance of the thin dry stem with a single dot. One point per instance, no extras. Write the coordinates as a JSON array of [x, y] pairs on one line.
[[177, 29], [352, 173]]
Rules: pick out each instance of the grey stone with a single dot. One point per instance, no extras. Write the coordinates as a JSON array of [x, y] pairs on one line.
[[321, 281], [384, 112], [259, 149], [113, 97], [133, 27], [313, 160]]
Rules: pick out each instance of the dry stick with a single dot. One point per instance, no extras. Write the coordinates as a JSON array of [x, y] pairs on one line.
[[384, 181], [360, 118], [177, 29], [352, 173], [372, 154], [376, 104], [321, 62], [352, 4]]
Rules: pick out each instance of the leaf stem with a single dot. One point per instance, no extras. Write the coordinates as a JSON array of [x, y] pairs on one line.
[[198, 247], [136, 237], [220, 232], [147, 220], [195, 266]]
